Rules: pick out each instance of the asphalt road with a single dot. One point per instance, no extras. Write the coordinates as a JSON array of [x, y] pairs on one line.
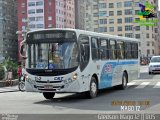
[[142, 94]]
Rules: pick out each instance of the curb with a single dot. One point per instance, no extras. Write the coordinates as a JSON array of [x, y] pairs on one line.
[[14, 83]]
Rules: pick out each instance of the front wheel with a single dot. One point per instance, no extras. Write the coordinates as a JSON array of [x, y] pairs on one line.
[[48, 95], [92, 93]]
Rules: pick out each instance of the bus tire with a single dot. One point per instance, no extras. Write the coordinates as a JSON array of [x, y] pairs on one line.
[[124, 81], [48, 95], [93, 88]]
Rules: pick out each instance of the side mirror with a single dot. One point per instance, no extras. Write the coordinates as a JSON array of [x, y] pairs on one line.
[[22, 50]]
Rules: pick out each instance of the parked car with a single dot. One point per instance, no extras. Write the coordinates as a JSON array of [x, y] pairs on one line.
[[154, 65]]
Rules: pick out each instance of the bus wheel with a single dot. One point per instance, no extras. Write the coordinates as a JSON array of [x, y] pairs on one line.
[[48, 95], [124, 81], [92, 93]]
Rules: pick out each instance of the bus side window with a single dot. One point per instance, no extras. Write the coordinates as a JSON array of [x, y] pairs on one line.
[[113, 54], [120, 50], [84, 51], [104, 49], [95, 48], [128, 54]]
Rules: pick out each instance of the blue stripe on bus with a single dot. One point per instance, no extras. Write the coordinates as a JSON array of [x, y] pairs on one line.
[[107, 72]]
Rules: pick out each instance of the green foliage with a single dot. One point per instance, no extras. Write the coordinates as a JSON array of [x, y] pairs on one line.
[[11, 66], [2, 72]]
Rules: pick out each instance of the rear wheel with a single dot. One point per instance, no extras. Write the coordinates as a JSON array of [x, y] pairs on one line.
[[92, 93], [48, 95]]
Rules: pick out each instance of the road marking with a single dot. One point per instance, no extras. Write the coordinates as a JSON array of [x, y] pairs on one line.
[[131, 83], [143, 84], [157, 85]]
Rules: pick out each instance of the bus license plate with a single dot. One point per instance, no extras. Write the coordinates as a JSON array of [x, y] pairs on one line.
[[48, 87]]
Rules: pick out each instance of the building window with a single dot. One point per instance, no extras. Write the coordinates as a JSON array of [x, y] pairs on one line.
[[137, 36], [119, 20], [50, 18], [23, 5], [148, 52], [119, 28], [95, 14], [102, 5], [120, 35], [128, 27], [128, 12], [39, 3], [147, 35], [119, 12], [23, 19], [103, 21], [32, 26], [95, 7], [152, 43], [119, 4], [111, 29], [147, 27], [31, 18], [102, 29], [23, 27], [39, 10], [102, 13], [40, 25], [96, 22], [96, 30], [111, 21], [136, 4], [111, 5], [130, 35], [23, 12], [128, 19], [136, 12], [31, 3], [40, 18], [32, 11], [49, 25], [127, 4], [111, 13], [137, 28]]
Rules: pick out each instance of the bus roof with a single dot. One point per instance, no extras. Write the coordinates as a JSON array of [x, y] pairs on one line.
[[88, 33]]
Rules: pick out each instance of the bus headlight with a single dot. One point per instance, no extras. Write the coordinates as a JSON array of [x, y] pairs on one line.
[[74, 76], [26, 77]]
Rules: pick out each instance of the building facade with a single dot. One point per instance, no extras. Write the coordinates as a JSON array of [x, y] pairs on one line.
[[38, 14], [118, 17], [8, 28]]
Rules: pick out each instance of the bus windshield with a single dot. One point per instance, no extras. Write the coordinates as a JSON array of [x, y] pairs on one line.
[[55, 54]]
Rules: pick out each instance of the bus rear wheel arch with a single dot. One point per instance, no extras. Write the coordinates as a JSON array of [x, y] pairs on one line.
[[49, 95]]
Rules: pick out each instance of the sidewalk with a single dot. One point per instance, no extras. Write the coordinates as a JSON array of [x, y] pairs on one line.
[[9, 89], [13, 88]]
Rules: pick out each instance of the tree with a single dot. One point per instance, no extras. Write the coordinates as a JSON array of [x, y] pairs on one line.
[[11, 66]]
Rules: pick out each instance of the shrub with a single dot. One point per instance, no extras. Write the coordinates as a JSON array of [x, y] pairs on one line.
[[2, 72]]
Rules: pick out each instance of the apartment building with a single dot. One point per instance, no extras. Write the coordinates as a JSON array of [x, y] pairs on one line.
[[118, 17], [38, 14], [8, 28]]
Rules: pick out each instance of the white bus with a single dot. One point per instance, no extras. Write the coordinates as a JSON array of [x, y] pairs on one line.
[[75, 61]]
